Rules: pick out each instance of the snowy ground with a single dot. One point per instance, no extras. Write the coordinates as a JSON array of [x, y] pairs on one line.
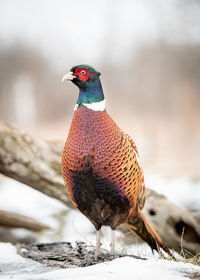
[[13, 266], [68, 225]]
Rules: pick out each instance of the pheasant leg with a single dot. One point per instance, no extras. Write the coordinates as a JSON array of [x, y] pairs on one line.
[[112, 245], [98, 243]]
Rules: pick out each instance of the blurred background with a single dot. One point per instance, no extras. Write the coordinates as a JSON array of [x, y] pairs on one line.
[[149, 55]]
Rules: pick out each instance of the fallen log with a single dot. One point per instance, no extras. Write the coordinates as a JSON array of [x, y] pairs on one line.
[[64, 255], [178, 227], [36, 163], [9, 219]]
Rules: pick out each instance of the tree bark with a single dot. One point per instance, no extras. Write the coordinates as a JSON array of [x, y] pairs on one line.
[[36, 163]]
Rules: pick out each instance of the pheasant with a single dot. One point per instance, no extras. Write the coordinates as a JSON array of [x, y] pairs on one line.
[[101, 166]]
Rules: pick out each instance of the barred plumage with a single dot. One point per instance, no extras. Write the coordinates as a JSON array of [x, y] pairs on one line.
[[101, 170]]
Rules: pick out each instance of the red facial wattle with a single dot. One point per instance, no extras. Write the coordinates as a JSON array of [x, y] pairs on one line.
[[82, 73]]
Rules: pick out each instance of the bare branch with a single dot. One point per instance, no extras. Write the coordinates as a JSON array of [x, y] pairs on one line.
[[10, 219]]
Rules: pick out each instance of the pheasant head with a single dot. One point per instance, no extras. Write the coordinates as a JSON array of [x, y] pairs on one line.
[[86, 78]]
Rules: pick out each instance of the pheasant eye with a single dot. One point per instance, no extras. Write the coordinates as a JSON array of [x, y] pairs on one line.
[[83, 72]]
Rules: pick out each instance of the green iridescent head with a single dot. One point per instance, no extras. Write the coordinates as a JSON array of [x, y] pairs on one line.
[[84, 75], [87, 80]]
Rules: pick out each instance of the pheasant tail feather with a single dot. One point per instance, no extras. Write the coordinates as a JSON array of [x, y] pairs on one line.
[[141, 227]]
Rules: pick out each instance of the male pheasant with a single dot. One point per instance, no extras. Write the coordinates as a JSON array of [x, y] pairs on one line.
[[101, 166]]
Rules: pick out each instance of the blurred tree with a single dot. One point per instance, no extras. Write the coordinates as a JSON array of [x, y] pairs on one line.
[[27, 78]]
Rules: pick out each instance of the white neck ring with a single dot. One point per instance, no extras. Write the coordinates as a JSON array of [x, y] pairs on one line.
[[95, 106]]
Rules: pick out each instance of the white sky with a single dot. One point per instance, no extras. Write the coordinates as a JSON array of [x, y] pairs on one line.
[[85, 31]]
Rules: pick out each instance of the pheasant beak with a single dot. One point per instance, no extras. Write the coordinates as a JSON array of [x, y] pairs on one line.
[[69, 77]]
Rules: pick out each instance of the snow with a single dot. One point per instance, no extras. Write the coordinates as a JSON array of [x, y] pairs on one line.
[[13, 264], [19, 198], [16, 267]]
